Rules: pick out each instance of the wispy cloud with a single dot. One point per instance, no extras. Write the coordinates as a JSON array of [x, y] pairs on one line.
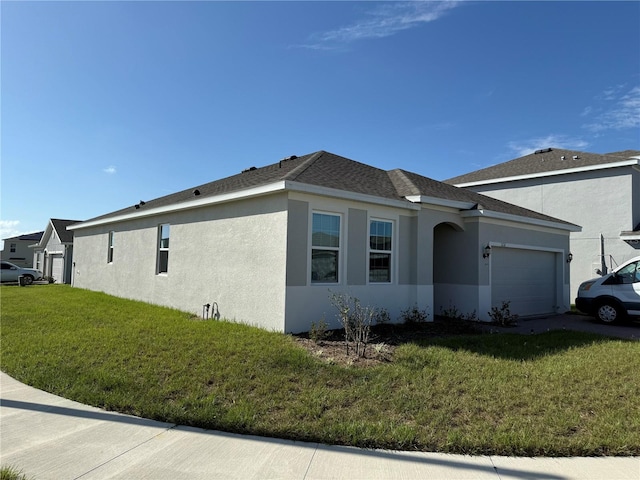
[[111, 170], [620, 109], [8, 229], [525, 147], [383, 21]]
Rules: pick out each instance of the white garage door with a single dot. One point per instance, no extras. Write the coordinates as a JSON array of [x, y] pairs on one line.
[[526, 278], [57, 268]]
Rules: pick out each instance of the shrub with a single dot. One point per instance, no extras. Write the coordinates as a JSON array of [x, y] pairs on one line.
[[356, 321], [382, 317], [453, 313], [503, 316], [318, 331], [414, 315]]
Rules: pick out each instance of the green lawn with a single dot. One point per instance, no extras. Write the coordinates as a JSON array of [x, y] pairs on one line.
[[559, 393]]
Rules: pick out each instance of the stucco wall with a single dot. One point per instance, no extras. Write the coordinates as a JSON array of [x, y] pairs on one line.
[[23, 255], [310, 302], [231, 254], [601, 202]]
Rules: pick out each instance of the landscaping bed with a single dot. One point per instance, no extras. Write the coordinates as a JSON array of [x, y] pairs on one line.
[[384, 340]]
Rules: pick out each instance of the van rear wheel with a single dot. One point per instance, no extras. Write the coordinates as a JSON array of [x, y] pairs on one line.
[[609, 312]]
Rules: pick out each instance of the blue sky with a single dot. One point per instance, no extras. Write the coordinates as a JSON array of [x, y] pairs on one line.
[[105, 104]]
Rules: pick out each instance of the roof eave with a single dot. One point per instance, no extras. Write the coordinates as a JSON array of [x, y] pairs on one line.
[[347, 195], [188, 205], [626, 163], [279, 186], [630, 236], [442, 202], [570, 227]]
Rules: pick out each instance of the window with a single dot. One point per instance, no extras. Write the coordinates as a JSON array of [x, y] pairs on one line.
[[380, 238], [12, 248], [163, 248], [630, 273], [110, 250], [325, 248], [38, 260]]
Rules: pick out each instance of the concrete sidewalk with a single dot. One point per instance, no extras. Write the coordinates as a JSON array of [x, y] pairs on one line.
[[49, 437]]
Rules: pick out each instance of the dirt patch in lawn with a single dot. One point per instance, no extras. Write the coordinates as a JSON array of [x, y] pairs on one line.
[[384, 340]]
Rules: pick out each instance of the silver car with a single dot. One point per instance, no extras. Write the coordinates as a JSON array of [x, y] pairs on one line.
[[10, 273]]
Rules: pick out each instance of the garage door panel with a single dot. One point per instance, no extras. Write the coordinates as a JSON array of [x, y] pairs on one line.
[[57, 268], [525, 278]]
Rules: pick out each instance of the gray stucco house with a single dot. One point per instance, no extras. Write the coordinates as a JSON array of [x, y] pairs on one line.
[[268, 245], [599, 192], [17, 249], [53, 254]]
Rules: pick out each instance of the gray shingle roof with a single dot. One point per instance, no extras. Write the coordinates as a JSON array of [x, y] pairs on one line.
[[31, 237], [328, 170], [547, 161], [60, 226]]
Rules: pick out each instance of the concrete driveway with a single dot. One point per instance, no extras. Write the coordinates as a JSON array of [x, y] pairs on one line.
[[570, 321]]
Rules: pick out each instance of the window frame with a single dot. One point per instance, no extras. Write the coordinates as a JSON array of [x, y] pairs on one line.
[[378, 251], [163, 249], [326, 248], [110, 246]]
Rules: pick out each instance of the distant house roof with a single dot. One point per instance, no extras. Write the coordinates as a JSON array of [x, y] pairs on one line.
[[325, 170], [29, 237], [545, 162], [60, 227]]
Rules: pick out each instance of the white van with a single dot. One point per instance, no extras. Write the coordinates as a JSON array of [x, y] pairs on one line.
[[612, 297]]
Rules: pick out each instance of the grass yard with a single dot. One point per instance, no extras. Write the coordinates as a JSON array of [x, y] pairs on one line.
[[560, 393]]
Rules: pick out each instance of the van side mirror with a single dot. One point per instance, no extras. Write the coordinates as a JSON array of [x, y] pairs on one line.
[[598, 271]]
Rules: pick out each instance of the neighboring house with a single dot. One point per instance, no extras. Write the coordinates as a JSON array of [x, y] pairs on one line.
[[16, 249], [270, 245], [53, 254], [599, 192]]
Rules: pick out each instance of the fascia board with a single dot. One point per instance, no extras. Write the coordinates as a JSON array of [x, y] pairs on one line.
[[442, 202], [279, 186], [46, 235], [346, 195], [177, 207], [630, 236], [602, 166], [520, 219]]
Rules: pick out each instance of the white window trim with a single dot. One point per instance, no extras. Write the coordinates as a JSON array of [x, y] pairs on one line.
[[394, 243], [162, 249], [110, 246], [341, 249]]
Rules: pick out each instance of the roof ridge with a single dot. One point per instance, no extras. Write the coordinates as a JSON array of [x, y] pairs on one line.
[[300, 169], [401, 182]]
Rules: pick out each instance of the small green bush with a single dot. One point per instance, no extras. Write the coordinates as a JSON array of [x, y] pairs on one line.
[[318, 331], [414, 315], [503, 316], [453, 313]]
